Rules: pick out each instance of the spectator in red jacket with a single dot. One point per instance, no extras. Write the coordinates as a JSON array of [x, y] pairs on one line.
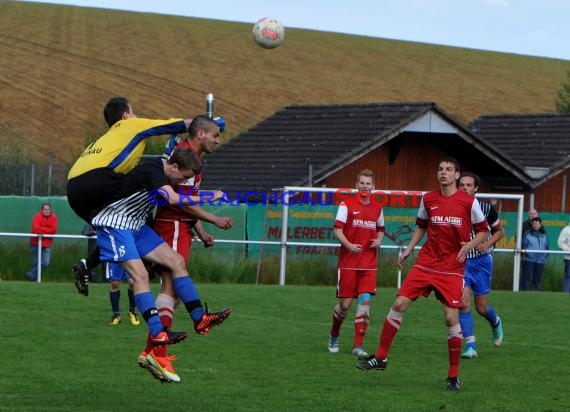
[[43, 223]]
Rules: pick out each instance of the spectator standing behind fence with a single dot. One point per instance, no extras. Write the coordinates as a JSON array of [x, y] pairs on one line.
[[527, 224], [564, 244], [89, 230], [43, 223], [533, 262]]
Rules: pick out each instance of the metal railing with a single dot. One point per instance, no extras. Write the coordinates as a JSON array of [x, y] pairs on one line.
[[284, 242], [275, 243], [289, 192]]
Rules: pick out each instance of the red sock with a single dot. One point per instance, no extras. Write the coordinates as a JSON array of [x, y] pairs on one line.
[[454, 349], [148, 346], [166, 317], [166, 321], [160, 350], [389, 331], [360, 326], [338, 317], [165, 305]]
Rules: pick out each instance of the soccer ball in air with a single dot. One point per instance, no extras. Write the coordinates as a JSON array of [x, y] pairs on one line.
[[268, 33]]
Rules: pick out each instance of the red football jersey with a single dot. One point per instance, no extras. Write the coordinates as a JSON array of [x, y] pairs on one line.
[[360, 224], [188, 187], [448, 220]]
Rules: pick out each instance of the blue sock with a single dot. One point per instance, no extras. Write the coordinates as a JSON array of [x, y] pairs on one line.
[[132, 303], [467, 327], [186, 291], [492, 317], [145, 303], [115, 297]]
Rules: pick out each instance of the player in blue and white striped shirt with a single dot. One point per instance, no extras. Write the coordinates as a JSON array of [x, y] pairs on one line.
[[478, 274], [124, 237]]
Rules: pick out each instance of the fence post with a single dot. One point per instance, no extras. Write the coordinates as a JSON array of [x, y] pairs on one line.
[[399, 270], [39, 278], [284, 232], [518, 246]]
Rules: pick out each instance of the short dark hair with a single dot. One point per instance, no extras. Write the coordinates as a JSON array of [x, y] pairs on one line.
[[186, 159], [476, 179], [200, 122], [536, 219], [452, 160], [114, 110]]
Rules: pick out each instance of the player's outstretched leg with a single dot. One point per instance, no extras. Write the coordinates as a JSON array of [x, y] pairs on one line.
[[203, 320], [210, 319]]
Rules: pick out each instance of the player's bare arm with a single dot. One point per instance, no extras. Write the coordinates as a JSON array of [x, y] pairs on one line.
[[467, 246], [196, 212], [416, 238], [205, 237], [353, 247], [378, 241], [497, 234]]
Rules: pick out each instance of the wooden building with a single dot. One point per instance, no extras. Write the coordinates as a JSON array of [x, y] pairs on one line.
[[539, 144], [327, 145]]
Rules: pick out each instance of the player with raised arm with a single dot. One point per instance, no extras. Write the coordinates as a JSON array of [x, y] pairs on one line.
[[447, 216], [97, 174], [174, 223], [124, 236], [479, 273]]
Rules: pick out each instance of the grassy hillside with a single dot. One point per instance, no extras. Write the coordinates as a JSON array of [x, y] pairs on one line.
[[60, 64]]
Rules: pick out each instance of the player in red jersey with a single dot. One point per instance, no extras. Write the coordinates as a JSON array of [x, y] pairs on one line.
[[359, 227], [447, 215], [175, 223]]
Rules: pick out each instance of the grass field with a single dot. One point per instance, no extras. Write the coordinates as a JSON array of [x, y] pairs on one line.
[[60, 354]]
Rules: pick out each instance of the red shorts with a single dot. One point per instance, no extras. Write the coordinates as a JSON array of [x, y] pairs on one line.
[[177, 234], [448, 288], [351, 283]]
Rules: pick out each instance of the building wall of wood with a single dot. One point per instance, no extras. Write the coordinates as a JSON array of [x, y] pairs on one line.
[[548, 197], [414, 168]]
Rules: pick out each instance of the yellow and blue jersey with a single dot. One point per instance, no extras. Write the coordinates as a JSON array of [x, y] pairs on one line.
[[121, 148]]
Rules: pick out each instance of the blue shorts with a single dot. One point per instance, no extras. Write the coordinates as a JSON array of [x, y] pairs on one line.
[[119, 245], [115, 272], [478, 274]]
